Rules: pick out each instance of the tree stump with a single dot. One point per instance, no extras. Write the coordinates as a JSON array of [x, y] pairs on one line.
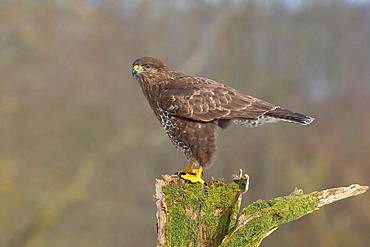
[[195, 215]]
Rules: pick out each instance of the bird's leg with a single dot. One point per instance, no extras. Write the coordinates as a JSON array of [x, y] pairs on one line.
[[195, 176], [188, 169]]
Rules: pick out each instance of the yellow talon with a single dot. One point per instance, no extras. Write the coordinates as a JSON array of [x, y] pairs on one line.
[[193, 175]]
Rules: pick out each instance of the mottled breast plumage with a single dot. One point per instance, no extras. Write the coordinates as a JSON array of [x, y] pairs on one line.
[[171, 126]]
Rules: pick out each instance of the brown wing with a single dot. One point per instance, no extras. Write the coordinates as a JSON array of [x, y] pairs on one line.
[[202, 99]]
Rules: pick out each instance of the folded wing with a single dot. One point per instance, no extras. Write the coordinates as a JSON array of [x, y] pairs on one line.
[[202, 99]]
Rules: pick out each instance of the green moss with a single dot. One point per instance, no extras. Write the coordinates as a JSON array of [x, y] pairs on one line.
[[183, 202], [218, 206], [219, 211], [267, 215], [234, 216]]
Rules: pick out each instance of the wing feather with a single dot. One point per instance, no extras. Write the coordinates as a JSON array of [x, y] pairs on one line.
[[202, 99]]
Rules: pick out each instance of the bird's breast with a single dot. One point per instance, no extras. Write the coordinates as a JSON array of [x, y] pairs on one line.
[[166, 119]]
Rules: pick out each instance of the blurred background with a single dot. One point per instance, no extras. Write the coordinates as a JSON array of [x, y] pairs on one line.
[[80, 149]]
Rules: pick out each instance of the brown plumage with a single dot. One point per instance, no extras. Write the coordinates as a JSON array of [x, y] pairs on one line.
[[191, 108]]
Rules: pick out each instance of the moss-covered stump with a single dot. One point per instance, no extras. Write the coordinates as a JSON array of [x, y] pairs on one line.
[[190, 215], [193, 215]]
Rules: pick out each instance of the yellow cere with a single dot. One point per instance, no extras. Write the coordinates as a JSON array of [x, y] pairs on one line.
[[138, 69]]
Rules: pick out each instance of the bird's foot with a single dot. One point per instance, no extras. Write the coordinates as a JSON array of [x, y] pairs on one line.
[[192, 175], [192, 178]]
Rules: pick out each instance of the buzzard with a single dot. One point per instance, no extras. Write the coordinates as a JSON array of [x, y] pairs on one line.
[[191, 109]]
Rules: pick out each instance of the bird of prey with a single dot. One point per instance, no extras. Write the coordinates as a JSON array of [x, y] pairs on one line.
[[191, 109]]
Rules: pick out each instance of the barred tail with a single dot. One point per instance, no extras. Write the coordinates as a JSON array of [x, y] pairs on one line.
[[286, 115]]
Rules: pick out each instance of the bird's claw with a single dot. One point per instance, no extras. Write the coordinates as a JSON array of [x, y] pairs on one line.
[[192, 175], [192, 178]]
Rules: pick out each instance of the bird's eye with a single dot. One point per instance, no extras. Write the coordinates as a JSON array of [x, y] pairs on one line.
[[147, 66]]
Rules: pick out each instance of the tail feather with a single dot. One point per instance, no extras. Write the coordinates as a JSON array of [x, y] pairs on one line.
[[287, 115]]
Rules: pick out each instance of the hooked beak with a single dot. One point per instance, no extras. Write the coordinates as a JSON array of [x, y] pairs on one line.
[[136, 70]]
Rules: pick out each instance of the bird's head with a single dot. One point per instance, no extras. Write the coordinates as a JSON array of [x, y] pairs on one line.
[[148, 68]]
